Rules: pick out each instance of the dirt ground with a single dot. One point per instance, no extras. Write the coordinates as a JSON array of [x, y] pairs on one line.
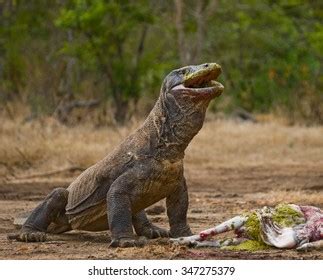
[[215, 195], [231, 167]]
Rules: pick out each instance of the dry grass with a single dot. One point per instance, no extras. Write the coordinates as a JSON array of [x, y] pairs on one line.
[[300, 197], [228, 143], [45, 145]]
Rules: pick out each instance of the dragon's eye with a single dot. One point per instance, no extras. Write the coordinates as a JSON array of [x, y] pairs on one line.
[[182, 72]]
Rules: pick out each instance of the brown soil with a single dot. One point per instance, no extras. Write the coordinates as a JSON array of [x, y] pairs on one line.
[[216, 193]]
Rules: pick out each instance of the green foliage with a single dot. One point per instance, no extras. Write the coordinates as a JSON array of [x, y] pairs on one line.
[[25, 38], [110, 39], [270, 50], [119, 51]]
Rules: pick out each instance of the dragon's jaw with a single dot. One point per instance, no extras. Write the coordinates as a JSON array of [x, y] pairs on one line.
[[203, 76], [202, 81]]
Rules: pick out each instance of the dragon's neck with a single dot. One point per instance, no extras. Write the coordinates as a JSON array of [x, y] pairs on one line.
[[170, 129]]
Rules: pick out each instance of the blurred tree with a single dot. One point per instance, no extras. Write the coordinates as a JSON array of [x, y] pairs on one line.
[[12, 33], [190, 22], [110, 39], [54, 51], [27, 49], [270, 53]]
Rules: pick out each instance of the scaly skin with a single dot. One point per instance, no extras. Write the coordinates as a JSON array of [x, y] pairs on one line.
[[145, 168]]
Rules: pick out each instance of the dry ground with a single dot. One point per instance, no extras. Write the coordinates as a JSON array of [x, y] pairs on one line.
[[230, 167]]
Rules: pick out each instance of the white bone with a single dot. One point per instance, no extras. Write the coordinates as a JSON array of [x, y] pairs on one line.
[[218, 244], [186, 240], [231, 224]]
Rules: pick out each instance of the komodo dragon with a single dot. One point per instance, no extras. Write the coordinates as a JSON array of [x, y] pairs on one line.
[[145, 168]]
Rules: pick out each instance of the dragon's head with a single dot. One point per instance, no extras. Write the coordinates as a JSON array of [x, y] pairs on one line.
[[196, 82], [185, 96]]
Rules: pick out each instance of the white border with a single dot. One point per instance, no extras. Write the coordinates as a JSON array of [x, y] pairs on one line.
[[244, 269]]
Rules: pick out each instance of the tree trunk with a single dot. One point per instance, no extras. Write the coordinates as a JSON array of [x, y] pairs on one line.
[[121, 112], [190, 47], [182, 51]]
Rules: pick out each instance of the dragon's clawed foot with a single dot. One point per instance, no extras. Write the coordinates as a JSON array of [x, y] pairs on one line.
[[180, 231], [154, 232], [28, 236], [126, 242]]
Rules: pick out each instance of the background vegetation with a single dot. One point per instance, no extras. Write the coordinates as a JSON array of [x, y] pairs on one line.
[[58, 55]]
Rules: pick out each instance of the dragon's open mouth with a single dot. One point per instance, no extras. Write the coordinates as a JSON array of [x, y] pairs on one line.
[[203, 81]]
